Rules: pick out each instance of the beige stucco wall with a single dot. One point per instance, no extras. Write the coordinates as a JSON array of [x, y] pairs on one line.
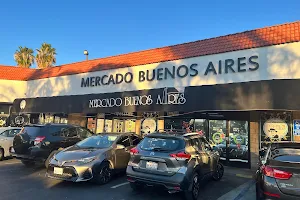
[[254, 138], [276, 62], [11, 89]]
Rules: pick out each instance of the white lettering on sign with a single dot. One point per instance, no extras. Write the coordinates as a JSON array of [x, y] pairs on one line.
[[175, 98], [167, 98]]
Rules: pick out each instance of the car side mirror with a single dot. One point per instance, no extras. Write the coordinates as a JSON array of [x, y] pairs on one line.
[[120, 146]]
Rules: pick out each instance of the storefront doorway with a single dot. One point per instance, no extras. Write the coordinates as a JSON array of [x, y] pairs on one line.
[[231, 137]]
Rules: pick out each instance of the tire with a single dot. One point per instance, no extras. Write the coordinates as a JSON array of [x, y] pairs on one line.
[[1, 154], [136, 187], [28, 163], [219, 172], [103, 174], [258, 193], [49, 157], [193, 191]]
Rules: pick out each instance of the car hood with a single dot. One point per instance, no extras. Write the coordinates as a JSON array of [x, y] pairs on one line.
[[75, 153]]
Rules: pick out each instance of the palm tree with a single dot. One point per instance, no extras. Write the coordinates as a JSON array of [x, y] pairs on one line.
[[24, 57], [45, 56]]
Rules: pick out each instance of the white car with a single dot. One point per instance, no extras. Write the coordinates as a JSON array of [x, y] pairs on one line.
[[6, 140]]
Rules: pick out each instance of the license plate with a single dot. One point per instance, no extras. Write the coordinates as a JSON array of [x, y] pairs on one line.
[[12, 150], [58, 170], [151, 165]]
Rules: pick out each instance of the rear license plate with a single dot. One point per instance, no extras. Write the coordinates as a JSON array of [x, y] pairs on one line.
[[58, 170], [12, 150], [151, 165]]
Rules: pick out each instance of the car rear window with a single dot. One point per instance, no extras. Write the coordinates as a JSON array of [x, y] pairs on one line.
[[161, 144], [286, 155], [32, 131], [288, 158]]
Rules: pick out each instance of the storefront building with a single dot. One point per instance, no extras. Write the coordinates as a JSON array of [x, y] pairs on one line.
[[239, 90]]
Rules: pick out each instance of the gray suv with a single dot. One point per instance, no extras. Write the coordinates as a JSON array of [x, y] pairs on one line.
[[176, 162]]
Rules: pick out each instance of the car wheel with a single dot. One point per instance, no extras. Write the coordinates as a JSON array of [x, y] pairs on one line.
[[1, 154], [136, 186], [28, 163], [218, 174], [193, 192], [49, 158], [258, 194], [103, 174]]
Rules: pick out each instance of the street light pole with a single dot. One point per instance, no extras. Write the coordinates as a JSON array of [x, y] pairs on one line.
[[86, 53]]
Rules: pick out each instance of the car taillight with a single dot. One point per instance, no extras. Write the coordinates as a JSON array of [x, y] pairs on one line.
[[181, 155], [39, 139], [276, 173], [134, 151]]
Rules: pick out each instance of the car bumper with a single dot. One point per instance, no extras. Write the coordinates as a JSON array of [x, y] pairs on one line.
[[35, 154], [71, 173], [177, 181], [270, 190]]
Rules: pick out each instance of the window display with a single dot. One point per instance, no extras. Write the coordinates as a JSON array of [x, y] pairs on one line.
[[275, 126], [148, 125], [108, 126], [91, 124], [130, 125], [118, 126], [100, 126]]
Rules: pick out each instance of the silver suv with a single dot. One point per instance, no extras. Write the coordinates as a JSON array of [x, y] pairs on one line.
[[176, 162]]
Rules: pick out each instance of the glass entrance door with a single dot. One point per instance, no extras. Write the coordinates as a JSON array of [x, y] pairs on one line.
[[231, 137], [237, 146]]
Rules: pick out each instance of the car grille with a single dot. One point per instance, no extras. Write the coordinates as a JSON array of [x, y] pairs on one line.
[[68, 172]]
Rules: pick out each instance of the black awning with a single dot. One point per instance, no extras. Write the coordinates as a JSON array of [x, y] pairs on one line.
[[260, 95]]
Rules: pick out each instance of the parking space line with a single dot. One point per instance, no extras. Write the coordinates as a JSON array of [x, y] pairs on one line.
[[119, 185], [10, 163]]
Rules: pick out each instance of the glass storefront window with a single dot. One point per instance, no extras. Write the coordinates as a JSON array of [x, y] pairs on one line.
[[200, 126], [185, 124], [118, 126], [129, 125], [238, 141], [275, 126]]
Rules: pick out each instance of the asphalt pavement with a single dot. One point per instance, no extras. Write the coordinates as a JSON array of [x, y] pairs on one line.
[[18, 182]]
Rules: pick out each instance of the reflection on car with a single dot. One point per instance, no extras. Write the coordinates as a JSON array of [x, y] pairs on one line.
[[95, 158]]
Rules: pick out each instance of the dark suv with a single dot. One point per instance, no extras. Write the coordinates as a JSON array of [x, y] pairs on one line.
[[35, 143], [178, 163]]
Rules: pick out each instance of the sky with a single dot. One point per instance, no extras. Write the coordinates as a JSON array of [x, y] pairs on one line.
[[112, 27]]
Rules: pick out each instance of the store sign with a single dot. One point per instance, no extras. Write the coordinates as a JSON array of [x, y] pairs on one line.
[[238, 65], [167, 98], [19, 120], [276, 129]]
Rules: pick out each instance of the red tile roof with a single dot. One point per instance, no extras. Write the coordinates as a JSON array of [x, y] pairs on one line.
[[274, 35], [15, 73]]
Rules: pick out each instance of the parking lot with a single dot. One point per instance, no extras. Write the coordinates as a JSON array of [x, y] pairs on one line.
[[19, 182]]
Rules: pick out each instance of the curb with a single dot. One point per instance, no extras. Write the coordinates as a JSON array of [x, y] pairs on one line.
[[244, 191]]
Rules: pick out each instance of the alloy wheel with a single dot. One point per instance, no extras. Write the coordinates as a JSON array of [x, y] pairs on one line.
[[105, 174]]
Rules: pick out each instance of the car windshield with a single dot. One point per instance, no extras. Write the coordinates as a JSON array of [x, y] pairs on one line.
[[99, 141], [161, 144]]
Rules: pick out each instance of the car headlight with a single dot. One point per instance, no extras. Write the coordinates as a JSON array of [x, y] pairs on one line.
[[87, 160]]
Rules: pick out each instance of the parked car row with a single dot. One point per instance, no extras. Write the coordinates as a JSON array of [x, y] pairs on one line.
[[177, 162]]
